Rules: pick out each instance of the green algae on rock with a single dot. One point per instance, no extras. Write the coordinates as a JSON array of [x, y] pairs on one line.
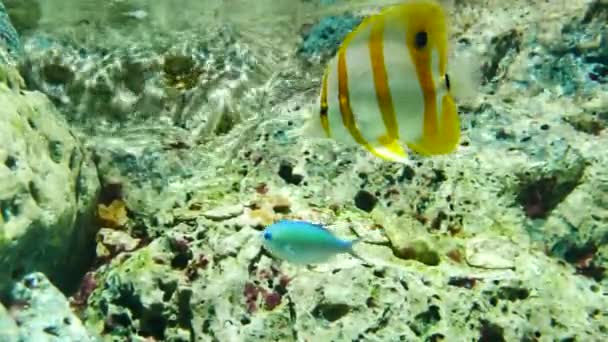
[[190, 78]]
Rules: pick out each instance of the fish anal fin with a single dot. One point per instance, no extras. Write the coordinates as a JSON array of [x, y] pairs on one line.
[[446, 141], [418, 148], [389, 149]]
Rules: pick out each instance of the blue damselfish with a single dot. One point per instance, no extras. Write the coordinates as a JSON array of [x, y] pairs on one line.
[[301, 242]]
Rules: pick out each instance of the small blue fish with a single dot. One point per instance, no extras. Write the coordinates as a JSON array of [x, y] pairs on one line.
[[301, 242]]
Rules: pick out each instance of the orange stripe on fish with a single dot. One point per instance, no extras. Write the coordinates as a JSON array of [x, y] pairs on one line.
[[324, 107], [423, 36], [423, 72], [383, 94], [386, 82]]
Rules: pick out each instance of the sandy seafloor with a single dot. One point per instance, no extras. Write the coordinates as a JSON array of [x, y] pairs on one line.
[[145, 144]]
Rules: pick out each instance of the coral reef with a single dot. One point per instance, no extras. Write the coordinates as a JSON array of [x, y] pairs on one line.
[[465, 246], [10, 51], [195, 142], [147, 294], [40, 312], [10, 45], [48, 192], [189, 80]]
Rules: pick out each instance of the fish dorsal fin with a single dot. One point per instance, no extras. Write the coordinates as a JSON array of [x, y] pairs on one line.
[[302, 222], [318, 225]]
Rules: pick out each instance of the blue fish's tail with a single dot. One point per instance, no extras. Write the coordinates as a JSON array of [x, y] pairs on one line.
[[355, 241], [350, 250]]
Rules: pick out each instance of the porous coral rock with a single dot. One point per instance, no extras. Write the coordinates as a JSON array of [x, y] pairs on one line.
[[110, 242], [453, 247], [10, 44], [342, 299], [8, 328], [190, 79], [559, 128], [48, 192], [323, 38], [43, 313], [10, 51], [224, 213], [142, 295]]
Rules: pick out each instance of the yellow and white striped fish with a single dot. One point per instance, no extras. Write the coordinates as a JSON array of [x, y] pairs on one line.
[[388, 84]]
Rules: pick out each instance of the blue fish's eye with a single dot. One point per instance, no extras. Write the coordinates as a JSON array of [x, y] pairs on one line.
[[267, 236]]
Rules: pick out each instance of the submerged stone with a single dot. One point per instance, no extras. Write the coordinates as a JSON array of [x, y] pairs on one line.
[[48, 193], [491, 252]]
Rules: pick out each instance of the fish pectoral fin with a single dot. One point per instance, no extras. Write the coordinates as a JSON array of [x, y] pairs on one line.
[[390, 149], [314, 268], [358, 257], [289, 249]]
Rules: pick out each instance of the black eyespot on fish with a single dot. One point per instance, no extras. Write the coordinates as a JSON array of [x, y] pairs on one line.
[[267, 236], [447, 81], [323, 110], [420, 39]]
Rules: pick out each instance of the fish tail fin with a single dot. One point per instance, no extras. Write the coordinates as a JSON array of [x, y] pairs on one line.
[[465, 76], [355, 241], [352, 252]]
